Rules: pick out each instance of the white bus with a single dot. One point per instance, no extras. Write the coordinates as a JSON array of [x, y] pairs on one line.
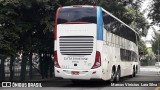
[[91, 43]]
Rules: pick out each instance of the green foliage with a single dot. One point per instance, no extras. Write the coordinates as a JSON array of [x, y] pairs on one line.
[[156, 42], [26, 25], [149, 59], [150, 55], [142, 48], [155, 12], [146, 54], [8, 31]]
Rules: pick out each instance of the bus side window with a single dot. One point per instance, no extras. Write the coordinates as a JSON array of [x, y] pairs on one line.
[[123, 54], [104, 35], [107, 20], [108, 37]]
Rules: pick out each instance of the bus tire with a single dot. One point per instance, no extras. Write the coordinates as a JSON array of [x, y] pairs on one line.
[[133, 73], [113, 75], [136, 69], [118, 74]]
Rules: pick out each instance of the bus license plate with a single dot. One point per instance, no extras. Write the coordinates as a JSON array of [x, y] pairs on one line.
[[75, 73]]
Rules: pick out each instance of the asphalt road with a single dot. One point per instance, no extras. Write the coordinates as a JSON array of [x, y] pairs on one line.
[[147, 74]]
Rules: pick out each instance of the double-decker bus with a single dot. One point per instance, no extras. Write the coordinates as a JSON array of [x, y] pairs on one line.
[[91, 43]]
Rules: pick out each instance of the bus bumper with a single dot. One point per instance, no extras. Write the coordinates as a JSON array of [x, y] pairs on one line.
[[81, 74]]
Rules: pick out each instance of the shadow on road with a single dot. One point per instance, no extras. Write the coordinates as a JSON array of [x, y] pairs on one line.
[[68, 83], [95, 83]]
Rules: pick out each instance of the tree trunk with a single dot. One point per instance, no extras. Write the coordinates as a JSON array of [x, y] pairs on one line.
[[2, 74], [23, 67], [11, 68], [46, 66], [51, 66], [30, 66], [41, 65]]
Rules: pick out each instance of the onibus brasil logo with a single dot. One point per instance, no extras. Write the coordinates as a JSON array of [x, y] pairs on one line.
[[17, 84]]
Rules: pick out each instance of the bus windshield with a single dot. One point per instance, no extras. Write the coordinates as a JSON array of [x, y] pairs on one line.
[[77, 15]]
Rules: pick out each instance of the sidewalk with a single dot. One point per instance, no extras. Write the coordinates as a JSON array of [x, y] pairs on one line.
[[157, 88], [151, 69]]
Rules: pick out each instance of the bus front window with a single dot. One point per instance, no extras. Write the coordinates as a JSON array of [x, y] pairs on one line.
[[77, 15]]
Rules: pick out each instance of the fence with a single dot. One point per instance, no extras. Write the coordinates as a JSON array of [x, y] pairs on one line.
[[13, 71]]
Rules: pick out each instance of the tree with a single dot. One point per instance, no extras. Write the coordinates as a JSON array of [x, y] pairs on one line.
[[156, 42], [38, 27], [26, 26], [150, 57], [154, 13], [147, 56], [143, 50], [8, 33]]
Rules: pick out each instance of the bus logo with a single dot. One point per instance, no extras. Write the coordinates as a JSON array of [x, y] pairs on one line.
[[6, 84]]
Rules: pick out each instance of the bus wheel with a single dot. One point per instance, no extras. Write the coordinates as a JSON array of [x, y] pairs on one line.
[[113, 75], [136, 69], [134, 72], [118, 73]]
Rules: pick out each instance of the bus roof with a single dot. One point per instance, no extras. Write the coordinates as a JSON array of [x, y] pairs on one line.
[[79, 6]]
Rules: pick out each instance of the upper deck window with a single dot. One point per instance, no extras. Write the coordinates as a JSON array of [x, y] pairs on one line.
[[86, 15]]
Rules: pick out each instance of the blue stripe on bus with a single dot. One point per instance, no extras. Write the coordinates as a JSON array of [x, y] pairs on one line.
[[99, 24]]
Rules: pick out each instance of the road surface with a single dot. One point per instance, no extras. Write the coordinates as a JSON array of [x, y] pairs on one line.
[[147, 74]]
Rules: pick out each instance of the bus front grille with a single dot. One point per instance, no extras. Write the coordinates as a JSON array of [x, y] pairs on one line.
[[76, 45]]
